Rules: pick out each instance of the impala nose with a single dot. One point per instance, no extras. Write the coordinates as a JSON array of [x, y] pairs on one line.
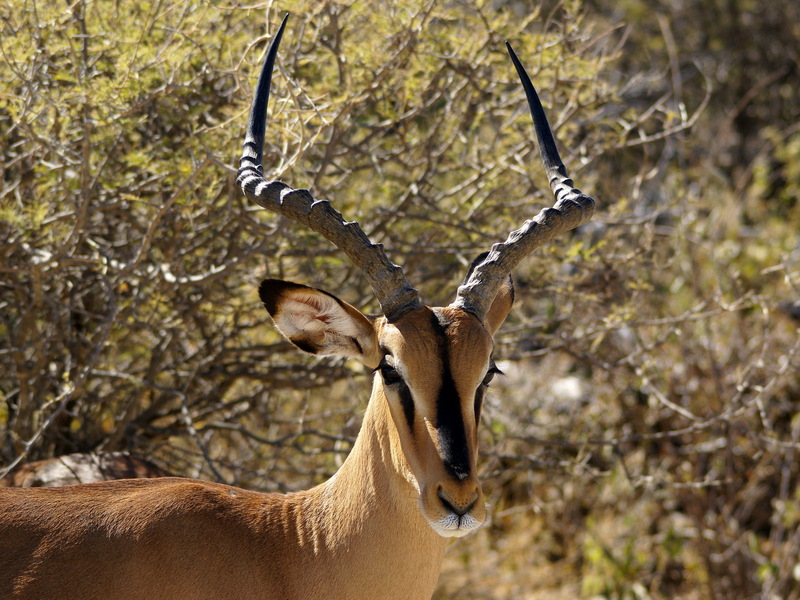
[[458, 507]]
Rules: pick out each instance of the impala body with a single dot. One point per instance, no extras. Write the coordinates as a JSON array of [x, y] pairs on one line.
[[378, 528]]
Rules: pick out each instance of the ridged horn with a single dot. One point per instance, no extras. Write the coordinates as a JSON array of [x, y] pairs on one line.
[[388, 282], [571, 209]]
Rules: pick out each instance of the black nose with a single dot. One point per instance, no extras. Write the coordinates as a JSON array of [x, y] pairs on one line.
[[458, 511]]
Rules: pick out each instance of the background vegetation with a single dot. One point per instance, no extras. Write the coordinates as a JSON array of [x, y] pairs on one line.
[[644, 441]]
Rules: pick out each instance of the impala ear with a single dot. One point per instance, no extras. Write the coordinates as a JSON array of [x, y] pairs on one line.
[[318, 322], [502, 303]]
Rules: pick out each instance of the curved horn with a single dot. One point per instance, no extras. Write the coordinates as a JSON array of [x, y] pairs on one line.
[[571, 209], [391, 288]]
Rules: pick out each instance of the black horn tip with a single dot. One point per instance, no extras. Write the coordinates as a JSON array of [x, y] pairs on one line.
[[547, 145], [257, 121], [282, 26], [510, 49], [272, 52]]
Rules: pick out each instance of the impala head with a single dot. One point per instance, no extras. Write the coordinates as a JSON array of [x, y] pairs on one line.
[[432, 365]]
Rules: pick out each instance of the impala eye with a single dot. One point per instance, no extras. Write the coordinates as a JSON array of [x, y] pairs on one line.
[[390, 375], [493, 370]]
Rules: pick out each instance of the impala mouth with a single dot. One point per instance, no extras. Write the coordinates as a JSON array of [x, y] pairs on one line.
[[454, 525], [448, 520]]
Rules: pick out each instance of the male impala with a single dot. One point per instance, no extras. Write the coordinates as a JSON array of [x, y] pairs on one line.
[[379, 526]]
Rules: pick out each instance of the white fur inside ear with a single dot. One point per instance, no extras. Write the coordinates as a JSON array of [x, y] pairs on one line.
[[314, 314]]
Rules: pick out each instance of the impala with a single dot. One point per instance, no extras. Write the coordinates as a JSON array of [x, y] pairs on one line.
[[378, 528]]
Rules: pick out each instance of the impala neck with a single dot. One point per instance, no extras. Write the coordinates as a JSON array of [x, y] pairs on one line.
[[370, 523]]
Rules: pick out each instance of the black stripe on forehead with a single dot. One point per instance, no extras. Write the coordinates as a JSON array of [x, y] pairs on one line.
[[449, 416]]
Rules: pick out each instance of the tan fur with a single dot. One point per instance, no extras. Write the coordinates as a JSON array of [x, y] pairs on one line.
[[366, 533]]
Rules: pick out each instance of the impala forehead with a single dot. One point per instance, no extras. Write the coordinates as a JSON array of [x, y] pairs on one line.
[[429, 341]]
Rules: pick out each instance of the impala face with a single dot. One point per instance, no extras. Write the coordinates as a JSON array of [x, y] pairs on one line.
[[433, 366], [434, 370]]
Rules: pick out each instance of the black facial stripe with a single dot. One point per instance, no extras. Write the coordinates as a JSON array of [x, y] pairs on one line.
[[407, 402], [406, 399], [449, 418], [479, 393]]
